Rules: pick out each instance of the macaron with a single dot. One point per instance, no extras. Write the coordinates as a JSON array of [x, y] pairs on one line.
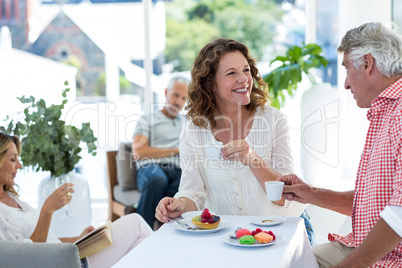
[[242, 232], [263, 238], [247, 239]]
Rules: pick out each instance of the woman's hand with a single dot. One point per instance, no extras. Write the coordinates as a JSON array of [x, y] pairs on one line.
[[76, 238], [238, 150], [87, 231], [59, 198], [55, 201], [170, 207]]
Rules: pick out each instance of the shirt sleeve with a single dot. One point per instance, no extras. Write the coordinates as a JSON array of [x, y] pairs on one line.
[[282, 160], [143, 126], [191, 183], [392, 215]]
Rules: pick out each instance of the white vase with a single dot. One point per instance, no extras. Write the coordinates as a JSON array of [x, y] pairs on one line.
[[321, 135], [80, 206]]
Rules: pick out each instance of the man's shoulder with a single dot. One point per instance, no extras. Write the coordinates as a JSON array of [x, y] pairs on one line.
[[155, 116], [145, 116]]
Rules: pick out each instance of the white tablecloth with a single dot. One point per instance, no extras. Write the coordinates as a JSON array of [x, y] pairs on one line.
[[169, 247]]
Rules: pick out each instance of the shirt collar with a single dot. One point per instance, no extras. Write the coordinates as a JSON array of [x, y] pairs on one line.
[[392, 92]]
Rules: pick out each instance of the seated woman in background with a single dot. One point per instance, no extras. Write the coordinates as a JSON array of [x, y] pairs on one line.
[[21, 222], [227, 107]]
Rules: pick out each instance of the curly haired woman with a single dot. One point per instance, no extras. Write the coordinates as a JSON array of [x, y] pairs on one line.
[[235, 141]]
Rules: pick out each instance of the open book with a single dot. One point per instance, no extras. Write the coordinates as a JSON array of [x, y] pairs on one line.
[[95, 240]]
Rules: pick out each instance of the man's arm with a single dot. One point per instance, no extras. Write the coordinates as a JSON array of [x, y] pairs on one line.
[[341, 202], [296, 189], [381, 240], [142, 150]]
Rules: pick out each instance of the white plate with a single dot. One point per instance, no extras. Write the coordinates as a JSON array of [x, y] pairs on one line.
[[235, 242], [223, 224], [192, 214], [267, 220]]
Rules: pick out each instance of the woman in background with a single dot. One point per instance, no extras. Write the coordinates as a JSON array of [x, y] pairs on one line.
[[21, 222]]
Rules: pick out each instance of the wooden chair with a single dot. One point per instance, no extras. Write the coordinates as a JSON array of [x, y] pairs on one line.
[[116, 209]]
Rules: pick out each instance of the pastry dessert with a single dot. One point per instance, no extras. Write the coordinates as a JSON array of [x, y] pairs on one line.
[[263, 238], [247, 239], [206, 220], [242, 232]]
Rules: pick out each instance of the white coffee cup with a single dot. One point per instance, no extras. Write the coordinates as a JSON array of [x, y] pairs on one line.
[[274, 189], [213, 151]]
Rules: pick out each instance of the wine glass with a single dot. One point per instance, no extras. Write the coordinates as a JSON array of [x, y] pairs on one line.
[[62, 179]]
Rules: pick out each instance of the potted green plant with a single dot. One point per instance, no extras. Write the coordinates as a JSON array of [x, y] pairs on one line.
[[286, 77], [319, 112], [49, 144]]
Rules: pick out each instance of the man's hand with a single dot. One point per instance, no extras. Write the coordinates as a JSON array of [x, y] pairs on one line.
[[296, 189]]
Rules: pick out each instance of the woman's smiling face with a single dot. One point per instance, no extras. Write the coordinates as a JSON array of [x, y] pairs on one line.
[[233, 80], [10, 166]]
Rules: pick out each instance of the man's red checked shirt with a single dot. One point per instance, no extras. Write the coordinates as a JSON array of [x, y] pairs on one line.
[[379, 178]]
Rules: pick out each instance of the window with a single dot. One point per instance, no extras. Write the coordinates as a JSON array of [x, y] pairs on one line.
[[397, 14], [12, 7], [9, 9], [2, 9]]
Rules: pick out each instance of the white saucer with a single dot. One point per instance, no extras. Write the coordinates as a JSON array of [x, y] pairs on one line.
[[235, 242], [223, 224], [267, 220]]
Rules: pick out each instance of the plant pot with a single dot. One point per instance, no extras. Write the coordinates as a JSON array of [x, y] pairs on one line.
[[80, 206], [320, 135]]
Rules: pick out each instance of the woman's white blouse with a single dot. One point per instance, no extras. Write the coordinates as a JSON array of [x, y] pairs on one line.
[[18, 224], [229, 187]]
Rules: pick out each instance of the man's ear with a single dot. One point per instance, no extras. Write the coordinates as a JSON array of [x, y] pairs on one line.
[[166, 90], [368, 63]]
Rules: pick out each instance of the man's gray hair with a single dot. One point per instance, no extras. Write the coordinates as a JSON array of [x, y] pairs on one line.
[[178, 79], [383, 43]]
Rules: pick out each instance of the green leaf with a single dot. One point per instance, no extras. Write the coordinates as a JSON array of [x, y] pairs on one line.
[[48, 144], [279, 58], [289, 74]]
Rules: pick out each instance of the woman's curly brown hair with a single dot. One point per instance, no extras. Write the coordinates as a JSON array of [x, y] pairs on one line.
[[201, 102]]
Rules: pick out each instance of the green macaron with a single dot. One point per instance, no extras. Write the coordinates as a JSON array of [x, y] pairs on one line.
[[247, 239]]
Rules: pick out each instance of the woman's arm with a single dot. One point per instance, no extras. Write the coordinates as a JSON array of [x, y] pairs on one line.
[[55, 201], [75, 238], [192, 185]]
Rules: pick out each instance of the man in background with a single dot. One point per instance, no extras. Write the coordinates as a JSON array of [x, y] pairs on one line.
[[156, 150]]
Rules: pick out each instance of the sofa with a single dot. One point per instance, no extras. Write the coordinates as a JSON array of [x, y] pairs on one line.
[[122, 183], [126, 191], [38, 255]]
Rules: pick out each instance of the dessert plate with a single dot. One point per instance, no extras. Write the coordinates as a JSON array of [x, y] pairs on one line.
[[223, 224], [192, 214], [267, 220], [235, 242]]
